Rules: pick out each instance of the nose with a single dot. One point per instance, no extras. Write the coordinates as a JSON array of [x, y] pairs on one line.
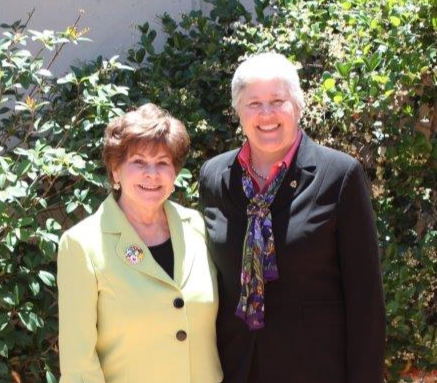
[[266, 109], [150, 170]]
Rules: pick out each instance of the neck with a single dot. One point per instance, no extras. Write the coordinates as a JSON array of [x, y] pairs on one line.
[[142, 216], [263, 162], [151, 225]]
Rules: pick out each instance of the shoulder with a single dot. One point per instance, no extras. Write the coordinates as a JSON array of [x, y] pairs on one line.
[[335, 162], [84, 230], [340, 160], [193, 217], [210, 175], [341, 169], [219, 163], [76, 247]]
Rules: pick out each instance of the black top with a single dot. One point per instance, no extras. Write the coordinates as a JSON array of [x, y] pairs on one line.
[[163, 254]]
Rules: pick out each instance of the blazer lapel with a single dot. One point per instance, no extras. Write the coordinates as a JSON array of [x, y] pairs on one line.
[[183, 242], [232, 182], [298, 178], [147, 265], [114, 221]]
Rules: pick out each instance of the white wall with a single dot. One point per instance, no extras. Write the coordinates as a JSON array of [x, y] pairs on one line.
[[111, 22]]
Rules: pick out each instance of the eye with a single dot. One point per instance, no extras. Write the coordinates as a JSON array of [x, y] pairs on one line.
[[254, 104], [277, 102], [138, 161], [164, 161]]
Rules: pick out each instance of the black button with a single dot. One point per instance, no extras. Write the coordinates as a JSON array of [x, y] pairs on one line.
[[181, 335], [178, 303]]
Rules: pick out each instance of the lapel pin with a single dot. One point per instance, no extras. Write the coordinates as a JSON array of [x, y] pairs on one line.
[[293, 184], [134, 254]]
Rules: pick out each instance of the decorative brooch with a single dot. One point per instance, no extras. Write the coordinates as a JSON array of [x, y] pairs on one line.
[[134, 254]]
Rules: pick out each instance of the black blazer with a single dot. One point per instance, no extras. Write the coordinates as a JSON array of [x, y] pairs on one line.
[[324, 318]]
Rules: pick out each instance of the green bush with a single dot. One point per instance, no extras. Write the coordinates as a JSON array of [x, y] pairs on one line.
[[369, 72], [50, 176]]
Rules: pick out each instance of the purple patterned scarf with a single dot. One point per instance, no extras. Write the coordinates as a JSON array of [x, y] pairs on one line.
[[259, 256]]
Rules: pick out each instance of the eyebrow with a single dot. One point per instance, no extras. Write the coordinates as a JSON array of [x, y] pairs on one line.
[[250, 98], [159, 156]]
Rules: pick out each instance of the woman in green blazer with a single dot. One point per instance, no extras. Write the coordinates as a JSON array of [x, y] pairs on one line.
[[137, 291]]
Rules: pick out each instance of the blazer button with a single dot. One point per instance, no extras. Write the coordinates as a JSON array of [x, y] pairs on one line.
[[181, 335], [178, 303]]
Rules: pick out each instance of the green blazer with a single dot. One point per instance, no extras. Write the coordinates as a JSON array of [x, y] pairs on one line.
[[123, 323]]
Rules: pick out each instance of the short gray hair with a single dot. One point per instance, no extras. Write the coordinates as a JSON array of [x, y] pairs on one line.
[[268, 66]]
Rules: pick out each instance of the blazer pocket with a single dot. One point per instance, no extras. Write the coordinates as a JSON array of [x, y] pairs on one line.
[[324, 314]]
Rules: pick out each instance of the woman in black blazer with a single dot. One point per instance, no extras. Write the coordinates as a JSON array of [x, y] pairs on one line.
[[291, 230]]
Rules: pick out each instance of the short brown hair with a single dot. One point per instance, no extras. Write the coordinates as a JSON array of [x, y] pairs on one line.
[[147, 125]]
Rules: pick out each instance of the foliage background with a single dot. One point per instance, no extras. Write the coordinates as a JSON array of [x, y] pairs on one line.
[[369, 72]]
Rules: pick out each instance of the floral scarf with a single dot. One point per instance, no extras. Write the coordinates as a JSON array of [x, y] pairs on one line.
[[259, 256]]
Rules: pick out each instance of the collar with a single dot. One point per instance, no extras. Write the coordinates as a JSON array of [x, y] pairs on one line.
[[244, 160], [184, 241], [113, 219]]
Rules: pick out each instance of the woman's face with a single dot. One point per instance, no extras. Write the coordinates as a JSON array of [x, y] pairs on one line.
[[268, 118], [146, 178]]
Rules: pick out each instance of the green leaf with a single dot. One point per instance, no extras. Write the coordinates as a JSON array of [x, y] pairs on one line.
[[343, 68], [17, 191], [30, 320], [5, 163], [3, 179], [25, 221], [185, 173], [139, 55], [3, 349], [4, 320], [47, 126], [373, 62], [69, 78], [71, 207], [44, 73], [48, 278], [21, 152], [338, 98], [329, 84], [50, 378], [396, 21], [52, 225], [23, 167], [381, 79], [34, 287]]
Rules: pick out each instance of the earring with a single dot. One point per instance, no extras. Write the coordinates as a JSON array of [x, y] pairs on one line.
[[116, 186]]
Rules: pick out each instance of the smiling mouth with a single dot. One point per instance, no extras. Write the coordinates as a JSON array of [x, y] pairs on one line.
[[149, 188], [268, 128]]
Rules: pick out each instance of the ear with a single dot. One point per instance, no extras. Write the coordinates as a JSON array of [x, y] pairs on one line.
[[116, 175]]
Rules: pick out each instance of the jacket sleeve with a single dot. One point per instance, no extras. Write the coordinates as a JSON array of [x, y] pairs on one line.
[[77, 287], [361, 277], [201, 203]]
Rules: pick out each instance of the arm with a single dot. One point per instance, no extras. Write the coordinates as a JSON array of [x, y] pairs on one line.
[[201, 203], [361, 277], [77, 287]]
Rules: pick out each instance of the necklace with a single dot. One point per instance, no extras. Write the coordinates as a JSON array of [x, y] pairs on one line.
[[257, 173]]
